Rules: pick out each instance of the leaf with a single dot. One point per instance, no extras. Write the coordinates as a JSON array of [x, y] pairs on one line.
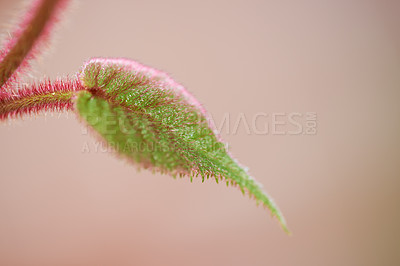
[[152, 120]]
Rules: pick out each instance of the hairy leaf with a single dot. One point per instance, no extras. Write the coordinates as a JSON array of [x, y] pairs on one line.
[[152, 120]]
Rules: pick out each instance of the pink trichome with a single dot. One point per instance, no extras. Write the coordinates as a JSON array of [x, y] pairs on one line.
[[45, 96]]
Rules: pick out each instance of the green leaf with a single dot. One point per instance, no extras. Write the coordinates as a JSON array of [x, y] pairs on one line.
[[152, 120]]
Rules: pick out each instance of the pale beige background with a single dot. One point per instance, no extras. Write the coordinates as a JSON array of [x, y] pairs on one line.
[[338, 188]]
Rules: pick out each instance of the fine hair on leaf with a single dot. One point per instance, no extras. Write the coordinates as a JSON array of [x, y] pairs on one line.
[[139, 111]]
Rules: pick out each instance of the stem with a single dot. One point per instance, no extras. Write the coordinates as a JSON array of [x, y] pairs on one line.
[[34, 29], [51, 96]]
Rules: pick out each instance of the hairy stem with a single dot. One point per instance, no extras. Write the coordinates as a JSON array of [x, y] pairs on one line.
[[47, 95], [34, 29]]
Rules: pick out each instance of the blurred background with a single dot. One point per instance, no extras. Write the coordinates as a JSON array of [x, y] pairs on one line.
[[65, 200]]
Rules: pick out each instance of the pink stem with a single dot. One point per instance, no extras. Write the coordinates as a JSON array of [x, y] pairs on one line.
[[23, 45], [47, 95]]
